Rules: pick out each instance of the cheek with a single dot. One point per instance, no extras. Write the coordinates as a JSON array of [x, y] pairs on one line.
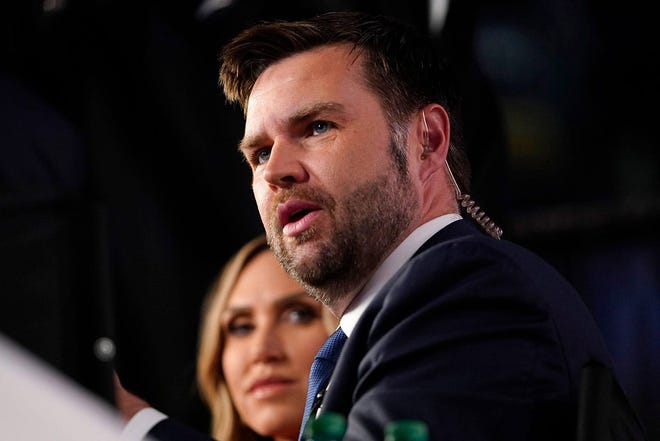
[[232, 367], [370, 158], [261, 193], [307, 347]]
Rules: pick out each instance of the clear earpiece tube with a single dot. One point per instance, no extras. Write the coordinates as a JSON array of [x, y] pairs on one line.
[[474, 210], [465, 200]]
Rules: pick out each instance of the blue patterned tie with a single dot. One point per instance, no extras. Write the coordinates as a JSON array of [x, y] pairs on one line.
[[319, 375]]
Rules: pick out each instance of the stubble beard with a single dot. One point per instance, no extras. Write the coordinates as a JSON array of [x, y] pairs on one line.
[[365, 228]]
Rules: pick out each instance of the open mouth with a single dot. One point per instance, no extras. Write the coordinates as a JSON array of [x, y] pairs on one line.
[[297, 215]]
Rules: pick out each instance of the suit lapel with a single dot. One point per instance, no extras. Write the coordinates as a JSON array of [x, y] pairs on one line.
[[339, 396]]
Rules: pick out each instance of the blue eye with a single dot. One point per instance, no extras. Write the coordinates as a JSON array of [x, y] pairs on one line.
[[261, 156], [320, 127]]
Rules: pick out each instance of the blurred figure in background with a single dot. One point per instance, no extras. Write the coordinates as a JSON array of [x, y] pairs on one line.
[[258, 337]]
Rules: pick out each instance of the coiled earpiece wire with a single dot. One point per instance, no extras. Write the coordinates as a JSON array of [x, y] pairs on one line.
[[465, 199]]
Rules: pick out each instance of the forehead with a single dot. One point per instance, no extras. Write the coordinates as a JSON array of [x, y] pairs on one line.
[[335, 59], [262, 282], [325, 73]]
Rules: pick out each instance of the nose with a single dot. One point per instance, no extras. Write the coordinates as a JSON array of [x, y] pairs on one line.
[[267, 346], [285, 167]]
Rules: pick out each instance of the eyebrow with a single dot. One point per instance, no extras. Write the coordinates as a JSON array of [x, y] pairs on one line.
[[301, 115], [310, 111], [278, 303]]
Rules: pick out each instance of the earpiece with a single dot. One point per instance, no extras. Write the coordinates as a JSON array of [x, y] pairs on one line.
[[425, 151], [465, 200], [426, 147]]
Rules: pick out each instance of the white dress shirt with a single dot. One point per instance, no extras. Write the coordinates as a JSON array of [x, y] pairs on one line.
[[141, 423]]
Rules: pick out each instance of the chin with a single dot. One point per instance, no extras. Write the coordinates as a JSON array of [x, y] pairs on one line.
[[278, 430], [281, 427]]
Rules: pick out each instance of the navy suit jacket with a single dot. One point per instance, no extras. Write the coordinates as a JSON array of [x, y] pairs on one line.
[[479, 338]]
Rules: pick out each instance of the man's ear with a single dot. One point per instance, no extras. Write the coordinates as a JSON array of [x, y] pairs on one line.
[[433, 132]]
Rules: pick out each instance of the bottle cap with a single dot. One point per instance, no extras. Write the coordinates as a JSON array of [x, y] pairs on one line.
[[406, 430], [328, 425]]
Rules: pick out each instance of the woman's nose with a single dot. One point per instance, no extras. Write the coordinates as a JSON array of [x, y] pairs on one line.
[[267, 346]]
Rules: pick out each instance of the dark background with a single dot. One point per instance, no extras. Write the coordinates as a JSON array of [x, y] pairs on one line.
[[122, 194]]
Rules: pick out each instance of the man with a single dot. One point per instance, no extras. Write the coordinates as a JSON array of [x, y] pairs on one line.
[[352, 138], [351, 133]]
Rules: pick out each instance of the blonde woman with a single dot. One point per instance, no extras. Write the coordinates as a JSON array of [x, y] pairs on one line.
[[259, 334]]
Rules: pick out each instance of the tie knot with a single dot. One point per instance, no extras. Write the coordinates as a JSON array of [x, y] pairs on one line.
[[332, 347]]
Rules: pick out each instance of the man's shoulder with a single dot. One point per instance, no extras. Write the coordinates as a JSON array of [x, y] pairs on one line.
[[464, 272], [462, 251]]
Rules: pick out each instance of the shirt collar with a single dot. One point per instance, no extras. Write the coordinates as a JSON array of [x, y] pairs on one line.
[[390, 266]]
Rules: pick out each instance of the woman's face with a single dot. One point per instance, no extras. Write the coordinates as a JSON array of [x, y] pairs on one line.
[[272, 333]]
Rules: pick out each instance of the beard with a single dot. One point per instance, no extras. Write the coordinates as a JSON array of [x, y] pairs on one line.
[[365, 228]]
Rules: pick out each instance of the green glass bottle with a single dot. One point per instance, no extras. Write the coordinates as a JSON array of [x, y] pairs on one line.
[[406, 430], [329, 426]]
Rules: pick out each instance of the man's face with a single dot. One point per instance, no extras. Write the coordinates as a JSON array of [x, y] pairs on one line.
[[328, 193]]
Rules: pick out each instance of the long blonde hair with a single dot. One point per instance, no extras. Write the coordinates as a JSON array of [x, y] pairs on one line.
[[226, 424]]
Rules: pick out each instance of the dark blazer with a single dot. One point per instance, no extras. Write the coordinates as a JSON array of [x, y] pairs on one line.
[[479, 338]]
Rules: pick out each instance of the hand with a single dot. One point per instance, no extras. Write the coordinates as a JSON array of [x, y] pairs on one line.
[[127, 403]]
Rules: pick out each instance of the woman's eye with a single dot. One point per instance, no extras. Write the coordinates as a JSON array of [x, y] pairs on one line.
[[302, 314], [239, 328], [320, 127]]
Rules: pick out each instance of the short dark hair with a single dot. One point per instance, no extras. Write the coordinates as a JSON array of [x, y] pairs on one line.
[[402, 66]]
